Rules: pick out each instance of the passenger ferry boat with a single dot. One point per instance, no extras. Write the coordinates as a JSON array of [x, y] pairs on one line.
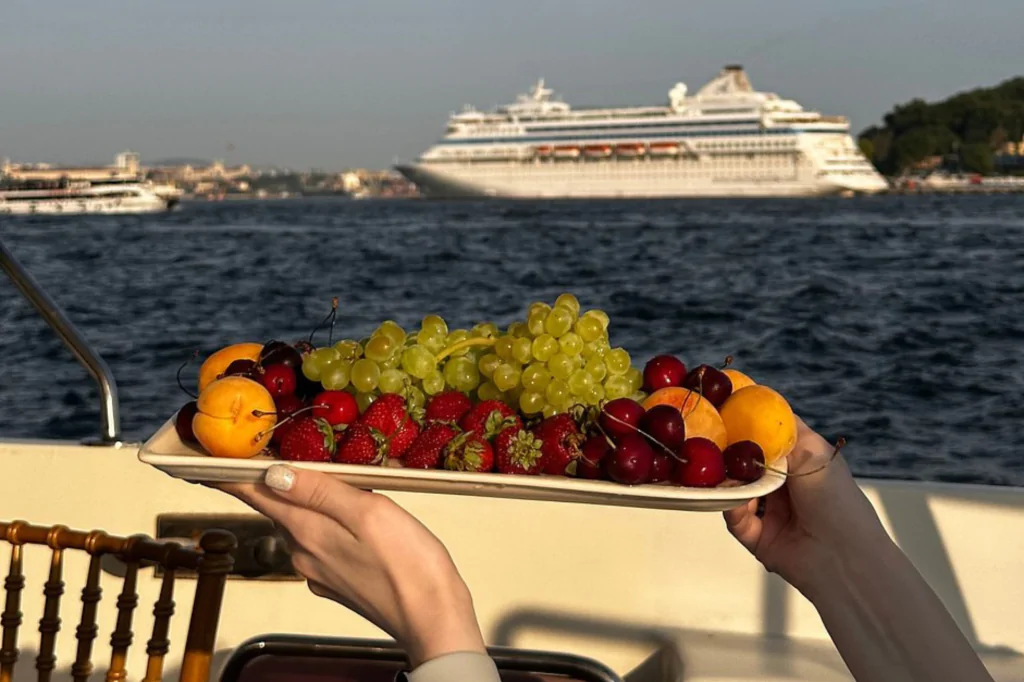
[[83, 197], [726, 140]]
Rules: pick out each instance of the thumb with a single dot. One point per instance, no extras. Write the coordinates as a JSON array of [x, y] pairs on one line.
[[317, 492]]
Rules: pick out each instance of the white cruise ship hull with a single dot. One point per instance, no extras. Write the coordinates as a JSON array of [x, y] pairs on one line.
[[628, 179], [727, 140]]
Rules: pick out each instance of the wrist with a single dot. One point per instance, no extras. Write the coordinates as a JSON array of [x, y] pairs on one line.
[[448, 625], [836, 569]]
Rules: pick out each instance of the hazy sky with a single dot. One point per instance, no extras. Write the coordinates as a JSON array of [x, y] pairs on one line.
[[336, 83]]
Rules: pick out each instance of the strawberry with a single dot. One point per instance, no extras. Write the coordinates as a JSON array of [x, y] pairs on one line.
[[469, 452], [399, 442], [449, 406], [427, 450], [309, 439], [490, 417], [560, 444], [359, 446], [385, 414], [517, 451]]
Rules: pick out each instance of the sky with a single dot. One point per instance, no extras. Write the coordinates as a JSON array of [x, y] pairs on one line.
[[337, 83]]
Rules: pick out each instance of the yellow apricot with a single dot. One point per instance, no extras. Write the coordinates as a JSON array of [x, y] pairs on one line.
[[225, 424], [699, 415], [215, 365], [760, 414], [739, 379]]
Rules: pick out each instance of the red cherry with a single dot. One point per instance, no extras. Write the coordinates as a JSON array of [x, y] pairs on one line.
[[744, 461], [183, 422], [664, 424], [240, 368], [279, 380], [663, 371], [621, 417], [631, 461], [703, 467], [711, 383], [287, 405], [661, 467], [337, 407], [595, 449]]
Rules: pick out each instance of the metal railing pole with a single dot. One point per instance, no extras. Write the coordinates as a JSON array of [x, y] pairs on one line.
[[110, 416]]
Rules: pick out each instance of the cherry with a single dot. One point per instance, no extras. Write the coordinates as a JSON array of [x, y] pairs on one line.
[[287, 405], [279, 353], [336, 407], [661, 467], [594, 450], [631, 461], [621, 417], [279, 380], [183, 422], [663, 371], [585, 469], [713, 384], [744, 461], [241, 368], [664, 424], [702, 466]]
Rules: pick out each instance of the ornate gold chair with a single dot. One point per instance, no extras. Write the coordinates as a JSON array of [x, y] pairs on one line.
[[212, 562]]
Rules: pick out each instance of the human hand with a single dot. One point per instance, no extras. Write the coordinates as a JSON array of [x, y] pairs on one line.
[[813, 520], [365, 552]]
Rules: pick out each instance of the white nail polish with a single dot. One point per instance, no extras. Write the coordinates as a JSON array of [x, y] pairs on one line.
[[279, 477]]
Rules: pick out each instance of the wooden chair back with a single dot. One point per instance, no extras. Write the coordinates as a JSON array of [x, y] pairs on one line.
[[212, 562]]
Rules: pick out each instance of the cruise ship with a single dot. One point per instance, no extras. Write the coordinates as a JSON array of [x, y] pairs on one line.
[[725, 140]]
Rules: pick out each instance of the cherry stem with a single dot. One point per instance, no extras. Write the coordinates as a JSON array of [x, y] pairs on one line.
[[177, 376], [329, 318], [726, 362], [293, 415], [840, 442], [648, 436]]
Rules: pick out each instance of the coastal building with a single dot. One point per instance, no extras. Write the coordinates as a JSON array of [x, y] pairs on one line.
[[126, 168]]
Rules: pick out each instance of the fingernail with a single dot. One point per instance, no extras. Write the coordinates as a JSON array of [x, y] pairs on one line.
[[279, 477]]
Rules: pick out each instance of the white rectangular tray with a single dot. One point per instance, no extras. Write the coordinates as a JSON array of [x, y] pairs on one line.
[[168, 453]]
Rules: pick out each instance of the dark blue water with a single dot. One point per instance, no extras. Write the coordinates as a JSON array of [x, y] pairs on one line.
[[897, 322]]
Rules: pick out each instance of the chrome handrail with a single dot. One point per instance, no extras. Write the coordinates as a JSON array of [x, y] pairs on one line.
[[110, 415]]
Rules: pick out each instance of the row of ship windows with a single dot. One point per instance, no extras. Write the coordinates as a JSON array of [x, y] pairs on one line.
[[735, 147]]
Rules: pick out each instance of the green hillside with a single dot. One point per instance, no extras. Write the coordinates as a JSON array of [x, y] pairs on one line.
[[970, 127]]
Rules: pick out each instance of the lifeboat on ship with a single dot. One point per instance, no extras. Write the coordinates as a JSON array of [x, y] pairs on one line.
[[543, 152], [566, 152], [664, 149], [629, 151], [597, 151]]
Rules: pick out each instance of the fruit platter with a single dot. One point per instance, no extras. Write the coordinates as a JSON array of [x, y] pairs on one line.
[[544, 408]]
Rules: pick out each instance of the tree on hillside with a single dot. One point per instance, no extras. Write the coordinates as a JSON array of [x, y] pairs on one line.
[[973, 124]]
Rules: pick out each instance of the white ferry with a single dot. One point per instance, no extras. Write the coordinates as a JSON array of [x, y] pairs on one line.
[[77, 198], [726, 140]]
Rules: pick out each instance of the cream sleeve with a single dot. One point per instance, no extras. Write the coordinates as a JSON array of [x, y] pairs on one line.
[[461, 666]]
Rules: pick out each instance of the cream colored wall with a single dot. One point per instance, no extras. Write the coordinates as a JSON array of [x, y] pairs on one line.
[[609, 583]]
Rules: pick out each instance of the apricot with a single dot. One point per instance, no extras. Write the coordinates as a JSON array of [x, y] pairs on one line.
[[215, 365], [760, 414], [739, 379], [700, 416], [234, 418]]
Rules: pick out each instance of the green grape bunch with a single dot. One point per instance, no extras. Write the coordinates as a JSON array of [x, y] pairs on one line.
[[557, 358]]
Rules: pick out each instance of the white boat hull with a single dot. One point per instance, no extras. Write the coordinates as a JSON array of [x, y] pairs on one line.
[[83, 206], [644, 178], [615, 584]]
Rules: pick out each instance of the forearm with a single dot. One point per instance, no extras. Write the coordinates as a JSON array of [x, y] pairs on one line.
[[888, 624]]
